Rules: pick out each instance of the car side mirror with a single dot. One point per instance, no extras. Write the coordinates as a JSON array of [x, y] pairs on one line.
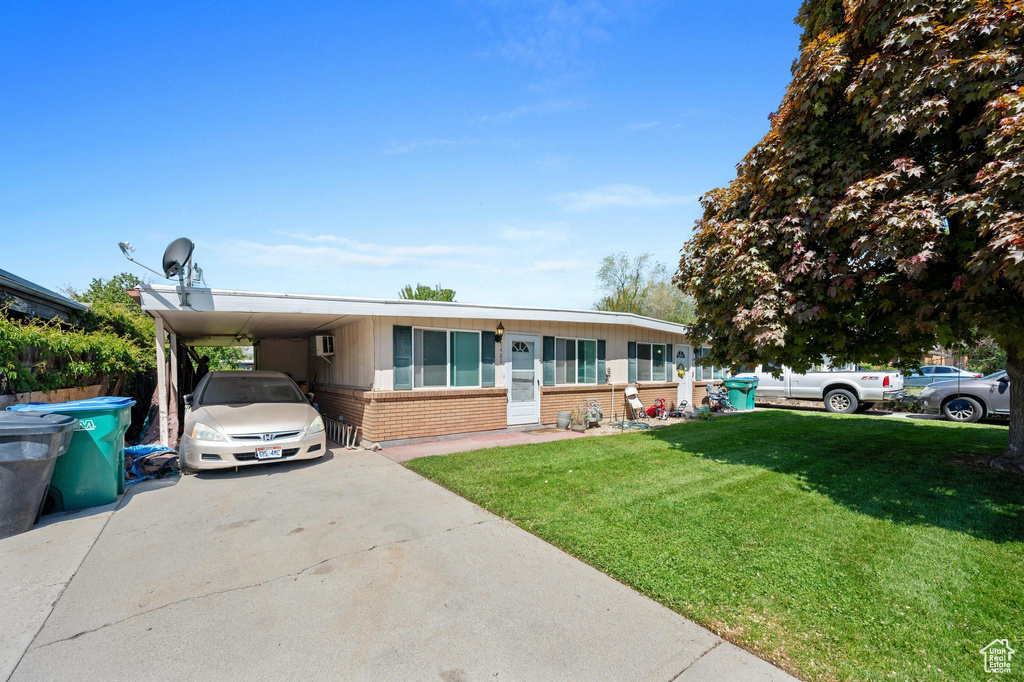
[[188, 399], [309, 397], [1004, 380]]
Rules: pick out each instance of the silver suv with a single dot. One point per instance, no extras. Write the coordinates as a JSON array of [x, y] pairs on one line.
[[968, 400]]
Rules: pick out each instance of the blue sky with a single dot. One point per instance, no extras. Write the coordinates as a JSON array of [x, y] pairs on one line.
[[499, 147]]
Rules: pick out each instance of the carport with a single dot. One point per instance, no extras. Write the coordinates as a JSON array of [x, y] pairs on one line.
[[278, 326]]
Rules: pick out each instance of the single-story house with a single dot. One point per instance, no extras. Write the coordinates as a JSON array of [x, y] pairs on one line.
[[404, 369]]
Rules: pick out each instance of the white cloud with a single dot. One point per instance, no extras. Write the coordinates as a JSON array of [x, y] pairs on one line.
[[410, 251], [619, 196], [552, 34], [524, 110], [546, 233], [393, 147], [645, 125], [299, 250], [299, 255], [557, 266]]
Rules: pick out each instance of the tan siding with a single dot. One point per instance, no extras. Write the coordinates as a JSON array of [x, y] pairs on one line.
[[352, 363]]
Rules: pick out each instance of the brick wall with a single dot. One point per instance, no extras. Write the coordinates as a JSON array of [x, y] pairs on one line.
[[555, 399], [416, 414], [396, 415], [700, 393]]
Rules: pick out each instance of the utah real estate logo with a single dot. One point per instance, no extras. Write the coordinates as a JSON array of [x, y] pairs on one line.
[[998, 655]]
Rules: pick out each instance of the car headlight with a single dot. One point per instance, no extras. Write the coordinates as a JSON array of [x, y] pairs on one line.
[[204, 432], [926, 391], [315, 426]]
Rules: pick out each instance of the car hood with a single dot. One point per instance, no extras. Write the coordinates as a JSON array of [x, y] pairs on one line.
[[963, 385], [256, 417]]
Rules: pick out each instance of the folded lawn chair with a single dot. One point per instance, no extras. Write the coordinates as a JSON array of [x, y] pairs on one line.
[[636, 407]]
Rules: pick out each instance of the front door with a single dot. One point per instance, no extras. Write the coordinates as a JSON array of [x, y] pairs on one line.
[[684, 380], [522, 377]]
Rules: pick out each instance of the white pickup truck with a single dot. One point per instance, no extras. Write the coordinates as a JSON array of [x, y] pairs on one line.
[[842, 389]]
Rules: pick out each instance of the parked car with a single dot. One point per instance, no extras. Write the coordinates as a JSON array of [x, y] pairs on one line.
[[842, 390], [245, 418], [968, 400], [929, 374]]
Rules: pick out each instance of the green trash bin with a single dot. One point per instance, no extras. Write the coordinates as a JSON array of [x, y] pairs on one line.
[[92, 471], [753, 391], [741, 392]]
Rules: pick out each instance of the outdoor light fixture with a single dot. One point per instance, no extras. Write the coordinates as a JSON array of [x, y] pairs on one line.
[[499, 333]]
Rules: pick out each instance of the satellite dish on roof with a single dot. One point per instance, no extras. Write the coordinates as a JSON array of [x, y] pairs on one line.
[[176, 256], [177, 263]]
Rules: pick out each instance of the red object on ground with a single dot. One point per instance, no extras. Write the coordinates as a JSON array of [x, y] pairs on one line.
[[657, 408]]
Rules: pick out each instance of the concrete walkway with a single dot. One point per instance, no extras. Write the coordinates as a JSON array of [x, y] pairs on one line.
[[352, 567]]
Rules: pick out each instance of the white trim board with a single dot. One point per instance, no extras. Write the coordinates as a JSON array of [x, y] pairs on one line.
[[160, 298]]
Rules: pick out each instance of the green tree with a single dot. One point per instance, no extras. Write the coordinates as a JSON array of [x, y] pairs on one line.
[[224, 357], [884, 210], [640, 285], [422, 292], [113, 311], [985, 357]]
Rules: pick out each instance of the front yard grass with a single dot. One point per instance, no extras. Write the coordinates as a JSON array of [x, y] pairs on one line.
[[839, 547]]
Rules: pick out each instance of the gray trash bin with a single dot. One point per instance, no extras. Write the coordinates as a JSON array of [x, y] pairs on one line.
[[30, 443]]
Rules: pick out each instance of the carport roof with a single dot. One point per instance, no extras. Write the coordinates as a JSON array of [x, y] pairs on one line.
[[257, 314]]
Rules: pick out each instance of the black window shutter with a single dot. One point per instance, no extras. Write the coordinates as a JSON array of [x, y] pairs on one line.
[[487, 359], [549, 361], [601, 379], [631, 354], [402, 339]]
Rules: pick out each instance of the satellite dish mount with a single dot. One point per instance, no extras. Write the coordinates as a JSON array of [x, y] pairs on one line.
[[176, 261]]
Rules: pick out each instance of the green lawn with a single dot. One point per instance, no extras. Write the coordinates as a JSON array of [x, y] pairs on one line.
[[839, 547]]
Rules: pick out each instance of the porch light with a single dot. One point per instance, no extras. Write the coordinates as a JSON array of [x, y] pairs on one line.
[[499, 333]]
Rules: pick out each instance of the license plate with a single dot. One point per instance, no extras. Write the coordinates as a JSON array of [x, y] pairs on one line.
[[268, 452]]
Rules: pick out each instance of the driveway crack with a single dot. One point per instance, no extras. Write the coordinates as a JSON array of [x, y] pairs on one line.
[[690, 665], [293, 574]]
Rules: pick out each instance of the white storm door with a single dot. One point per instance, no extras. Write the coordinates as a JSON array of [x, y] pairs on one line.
[[684, 383], [522, 377]]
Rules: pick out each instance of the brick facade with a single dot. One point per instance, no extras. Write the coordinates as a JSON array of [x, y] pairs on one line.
[[700, 393], [396, 415], [555, 399]]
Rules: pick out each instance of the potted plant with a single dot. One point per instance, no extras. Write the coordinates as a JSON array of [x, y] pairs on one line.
[[564, 419], [577, 419]]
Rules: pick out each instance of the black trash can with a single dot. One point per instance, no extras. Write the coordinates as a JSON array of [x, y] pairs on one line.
[[30, 443]]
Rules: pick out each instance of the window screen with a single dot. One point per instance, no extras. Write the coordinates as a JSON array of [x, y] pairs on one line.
[[465, 359], [658, 362], [643, 362], [587, 362], [430, 358], [565, 361]]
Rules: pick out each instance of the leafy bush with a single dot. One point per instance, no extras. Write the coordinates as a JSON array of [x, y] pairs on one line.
[[40, 355]]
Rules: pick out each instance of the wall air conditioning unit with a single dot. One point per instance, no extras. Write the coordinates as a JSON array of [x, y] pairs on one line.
[[324, 346]]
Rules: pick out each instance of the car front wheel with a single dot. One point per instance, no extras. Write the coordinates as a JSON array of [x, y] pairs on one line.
[[963, 409], [842, 401]]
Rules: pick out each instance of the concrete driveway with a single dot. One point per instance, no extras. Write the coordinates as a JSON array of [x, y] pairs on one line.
[[351, 567]]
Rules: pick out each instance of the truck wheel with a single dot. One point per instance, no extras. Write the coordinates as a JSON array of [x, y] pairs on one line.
[[840, 400], [963, 409]]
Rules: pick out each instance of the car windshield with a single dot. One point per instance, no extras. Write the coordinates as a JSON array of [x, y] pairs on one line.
[[996, 375], [246, 388]]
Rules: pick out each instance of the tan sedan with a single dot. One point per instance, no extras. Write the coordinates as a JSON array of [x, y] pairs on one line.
[[247, 418]]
